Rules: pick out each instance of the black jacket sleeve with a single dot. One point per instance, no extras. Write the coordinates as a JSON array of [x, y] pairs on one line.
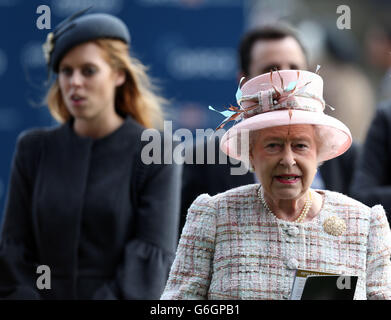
[[372, 180], [148, 256], [17, 247]]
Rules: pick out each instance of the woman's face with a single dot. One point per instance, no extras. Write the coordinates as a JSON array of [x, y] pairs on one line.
[[87, 82], [285, 160]]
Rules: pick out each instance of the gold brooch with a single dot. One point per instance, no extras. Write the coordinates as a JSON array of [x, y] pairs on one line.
[[48, 46], [334, 226]]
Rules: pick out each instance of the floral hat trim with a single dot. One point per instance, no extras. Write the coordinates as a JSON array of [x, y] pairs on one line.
[[276, 98]]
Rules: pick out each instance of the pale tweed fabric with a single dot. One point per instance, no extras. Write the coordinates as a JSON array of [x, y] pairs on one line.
[[231, 248]]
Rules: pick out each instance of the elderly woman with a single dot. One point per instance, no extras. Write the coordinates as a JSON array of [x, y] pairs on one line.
[[248, 242]]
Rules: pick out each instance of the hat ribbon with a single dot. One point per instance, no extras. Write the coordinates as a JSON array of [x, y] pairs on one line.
[[278, 98]]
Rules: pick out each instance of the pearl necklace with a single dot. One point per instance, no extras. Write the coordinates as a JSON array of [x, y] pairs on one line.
[[304, 212]]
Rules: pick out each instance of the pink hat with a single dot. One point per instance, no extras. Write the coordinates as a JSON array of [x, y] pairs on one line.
[[281, 98]]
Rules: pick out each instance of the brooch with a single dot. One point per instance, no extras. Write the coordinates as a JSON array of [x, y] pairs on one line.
[[48, 46], [334, 226]]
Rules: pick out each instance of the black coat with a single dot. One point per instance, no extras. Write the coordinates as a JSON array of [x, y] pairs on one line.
[[105, 223], [372, 180], [197, 179]]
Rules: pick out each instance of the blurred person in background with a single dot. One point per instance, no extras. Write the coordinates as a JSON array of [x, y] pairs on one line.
[[261, 50], [378, 45], [372, 179], [81, 201], [346, 82]]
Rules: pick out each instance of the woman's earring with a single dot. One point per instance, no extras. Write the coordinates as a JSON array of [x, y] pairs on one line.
[[251, 168]]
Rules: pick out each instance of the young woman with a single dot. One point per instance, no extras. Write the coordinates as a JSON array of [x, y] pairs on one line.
[[81, 201]]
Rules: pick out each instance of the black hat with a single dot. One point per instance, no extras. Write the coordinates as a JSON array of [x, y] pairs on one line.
[[78, 29]]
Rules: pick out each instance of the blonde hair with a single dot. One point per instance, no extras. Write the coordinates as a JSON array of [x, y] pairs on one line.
[[135, 97]]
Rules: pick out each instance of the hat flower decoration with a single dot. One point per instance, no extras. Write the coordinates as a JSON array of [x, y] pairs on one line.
[[265, 101], [48, 46]]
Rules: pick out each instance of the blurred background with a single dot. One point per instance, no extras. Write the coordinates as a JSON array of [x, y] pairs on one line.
[[190, 47]]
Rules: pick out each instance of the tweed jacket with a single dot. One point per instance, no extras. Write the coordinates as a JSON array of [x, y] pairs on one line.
[[232, 248]]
